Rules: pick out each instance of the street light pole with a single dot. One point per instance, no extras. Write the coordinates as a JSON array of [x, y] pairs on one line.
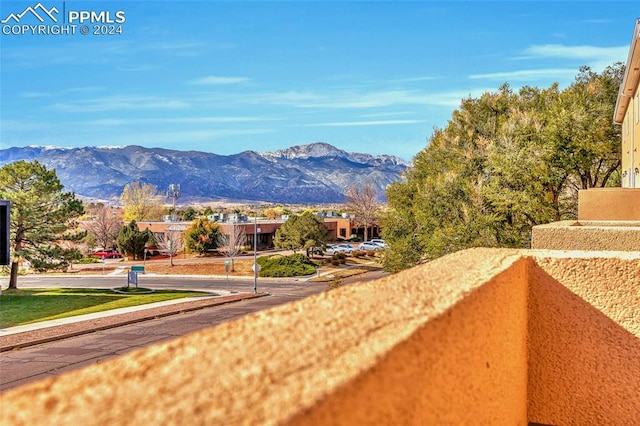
[[255, 254]]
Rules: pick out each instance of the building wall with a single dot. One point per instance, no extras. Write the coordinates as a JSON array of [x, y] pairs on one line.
[[459, 361], [614, 204], [584, 339], [588, 235], [266, 233], [627, 113]]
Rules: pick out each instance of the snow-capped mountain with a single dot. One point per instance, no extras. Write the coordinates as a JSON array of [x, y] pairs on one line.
[[314, 173]]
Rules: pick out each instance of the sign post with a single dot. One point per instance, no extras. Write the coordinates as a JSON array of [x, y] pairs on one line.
[[132, 278], [227, 266]]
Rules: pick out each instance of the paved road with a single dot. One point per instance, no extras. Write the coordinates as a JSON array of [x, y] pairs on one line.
[[157, 281], [51, 359]]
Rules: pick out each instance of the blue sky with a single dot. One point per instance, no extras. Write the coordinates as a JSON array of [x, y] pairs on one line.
[[225, 77]]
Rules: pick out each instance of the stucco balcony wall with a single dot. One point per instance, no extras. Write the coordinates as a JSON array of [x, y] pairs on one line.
[[587, 235], [584, 338], [617, 204], [478, 337]]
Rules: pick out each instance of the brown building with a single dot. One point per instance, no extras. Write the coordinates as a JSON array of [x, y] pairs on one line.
[[340, 228]]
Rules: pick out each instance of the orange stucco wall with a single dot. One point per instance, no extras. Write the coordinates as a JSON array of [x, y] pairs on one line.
[[587, 235], [584, 339], [618, 204], [421, 347], [478, 337], [467, 365]]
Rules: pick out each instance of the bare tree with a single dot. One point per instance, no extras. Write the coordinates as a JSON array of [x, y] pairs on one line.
[[231, 242], [104, 224], [170, 242], [362, 201]]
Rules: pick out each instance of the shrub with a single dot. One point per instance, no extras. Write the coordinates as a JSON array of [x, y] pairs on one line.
[[335, 283], [286, 266], [86, 260]]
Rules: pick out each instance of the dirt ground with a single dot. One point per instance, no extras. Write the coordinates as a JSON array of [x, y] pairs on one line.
[[213, 266], [241, 267]]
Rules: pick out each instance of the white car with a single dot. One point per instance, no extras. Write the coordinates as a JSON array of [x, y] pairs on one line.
[[379, 242], [367, 245], [330, 249], [345, 248]]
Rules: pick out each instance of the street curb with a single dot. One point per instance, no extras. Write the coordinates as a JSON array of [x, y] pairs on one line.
[[59, 332]]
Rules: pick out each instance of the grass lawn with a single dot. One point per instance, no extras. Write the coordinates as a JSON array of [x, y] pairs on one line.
[[19, 307]]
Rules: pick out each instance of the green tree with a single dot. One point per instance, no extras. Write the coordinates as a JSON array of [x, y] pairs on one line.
[[504, 163], [188, 214], [132, 242], [593, 144], [42, 216], [301, 232], [201, 236]]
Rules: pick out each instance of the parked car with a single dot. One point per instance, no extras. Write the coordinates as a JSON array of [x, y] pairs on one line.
[[345, 248], [331, 249], [368, 245], [379, 242], [107, 254]]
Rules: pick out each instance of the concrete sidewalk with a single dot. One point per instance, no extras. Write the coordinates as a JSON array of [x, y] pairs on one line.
[[47, 331]]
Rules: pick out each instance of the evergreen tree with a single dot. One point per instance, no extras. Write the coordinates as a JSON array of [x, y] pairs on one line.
[[42, 217], [301, 232], [132, 242]]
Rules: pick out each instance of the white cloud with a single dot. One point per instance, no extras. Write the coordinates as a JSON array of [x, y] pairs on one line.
[[353, 100], [365, 123], [412, 79], [526, 75], [106, 122], [35, 94], [179, 138], [593, 56], [213, 79], [119, 103]]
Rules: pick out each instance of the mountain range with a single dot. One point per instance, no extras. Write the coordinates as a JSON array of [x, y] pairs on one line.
[[314, 173]]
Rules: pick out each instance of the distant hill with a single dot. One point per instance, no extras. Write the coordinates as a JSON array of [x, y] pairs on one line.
[[315, 173]]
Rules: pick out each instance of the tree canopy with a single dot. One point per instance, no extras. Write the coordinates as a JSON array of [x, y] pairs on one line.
[[504, 163], [201, 236], [42, 216], [132, 242], [141, 201], [301, 232]]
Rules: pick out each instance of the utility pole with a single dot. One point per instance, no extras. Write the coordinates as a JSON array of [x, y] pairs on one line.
[[256, 267], [174, 193]]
